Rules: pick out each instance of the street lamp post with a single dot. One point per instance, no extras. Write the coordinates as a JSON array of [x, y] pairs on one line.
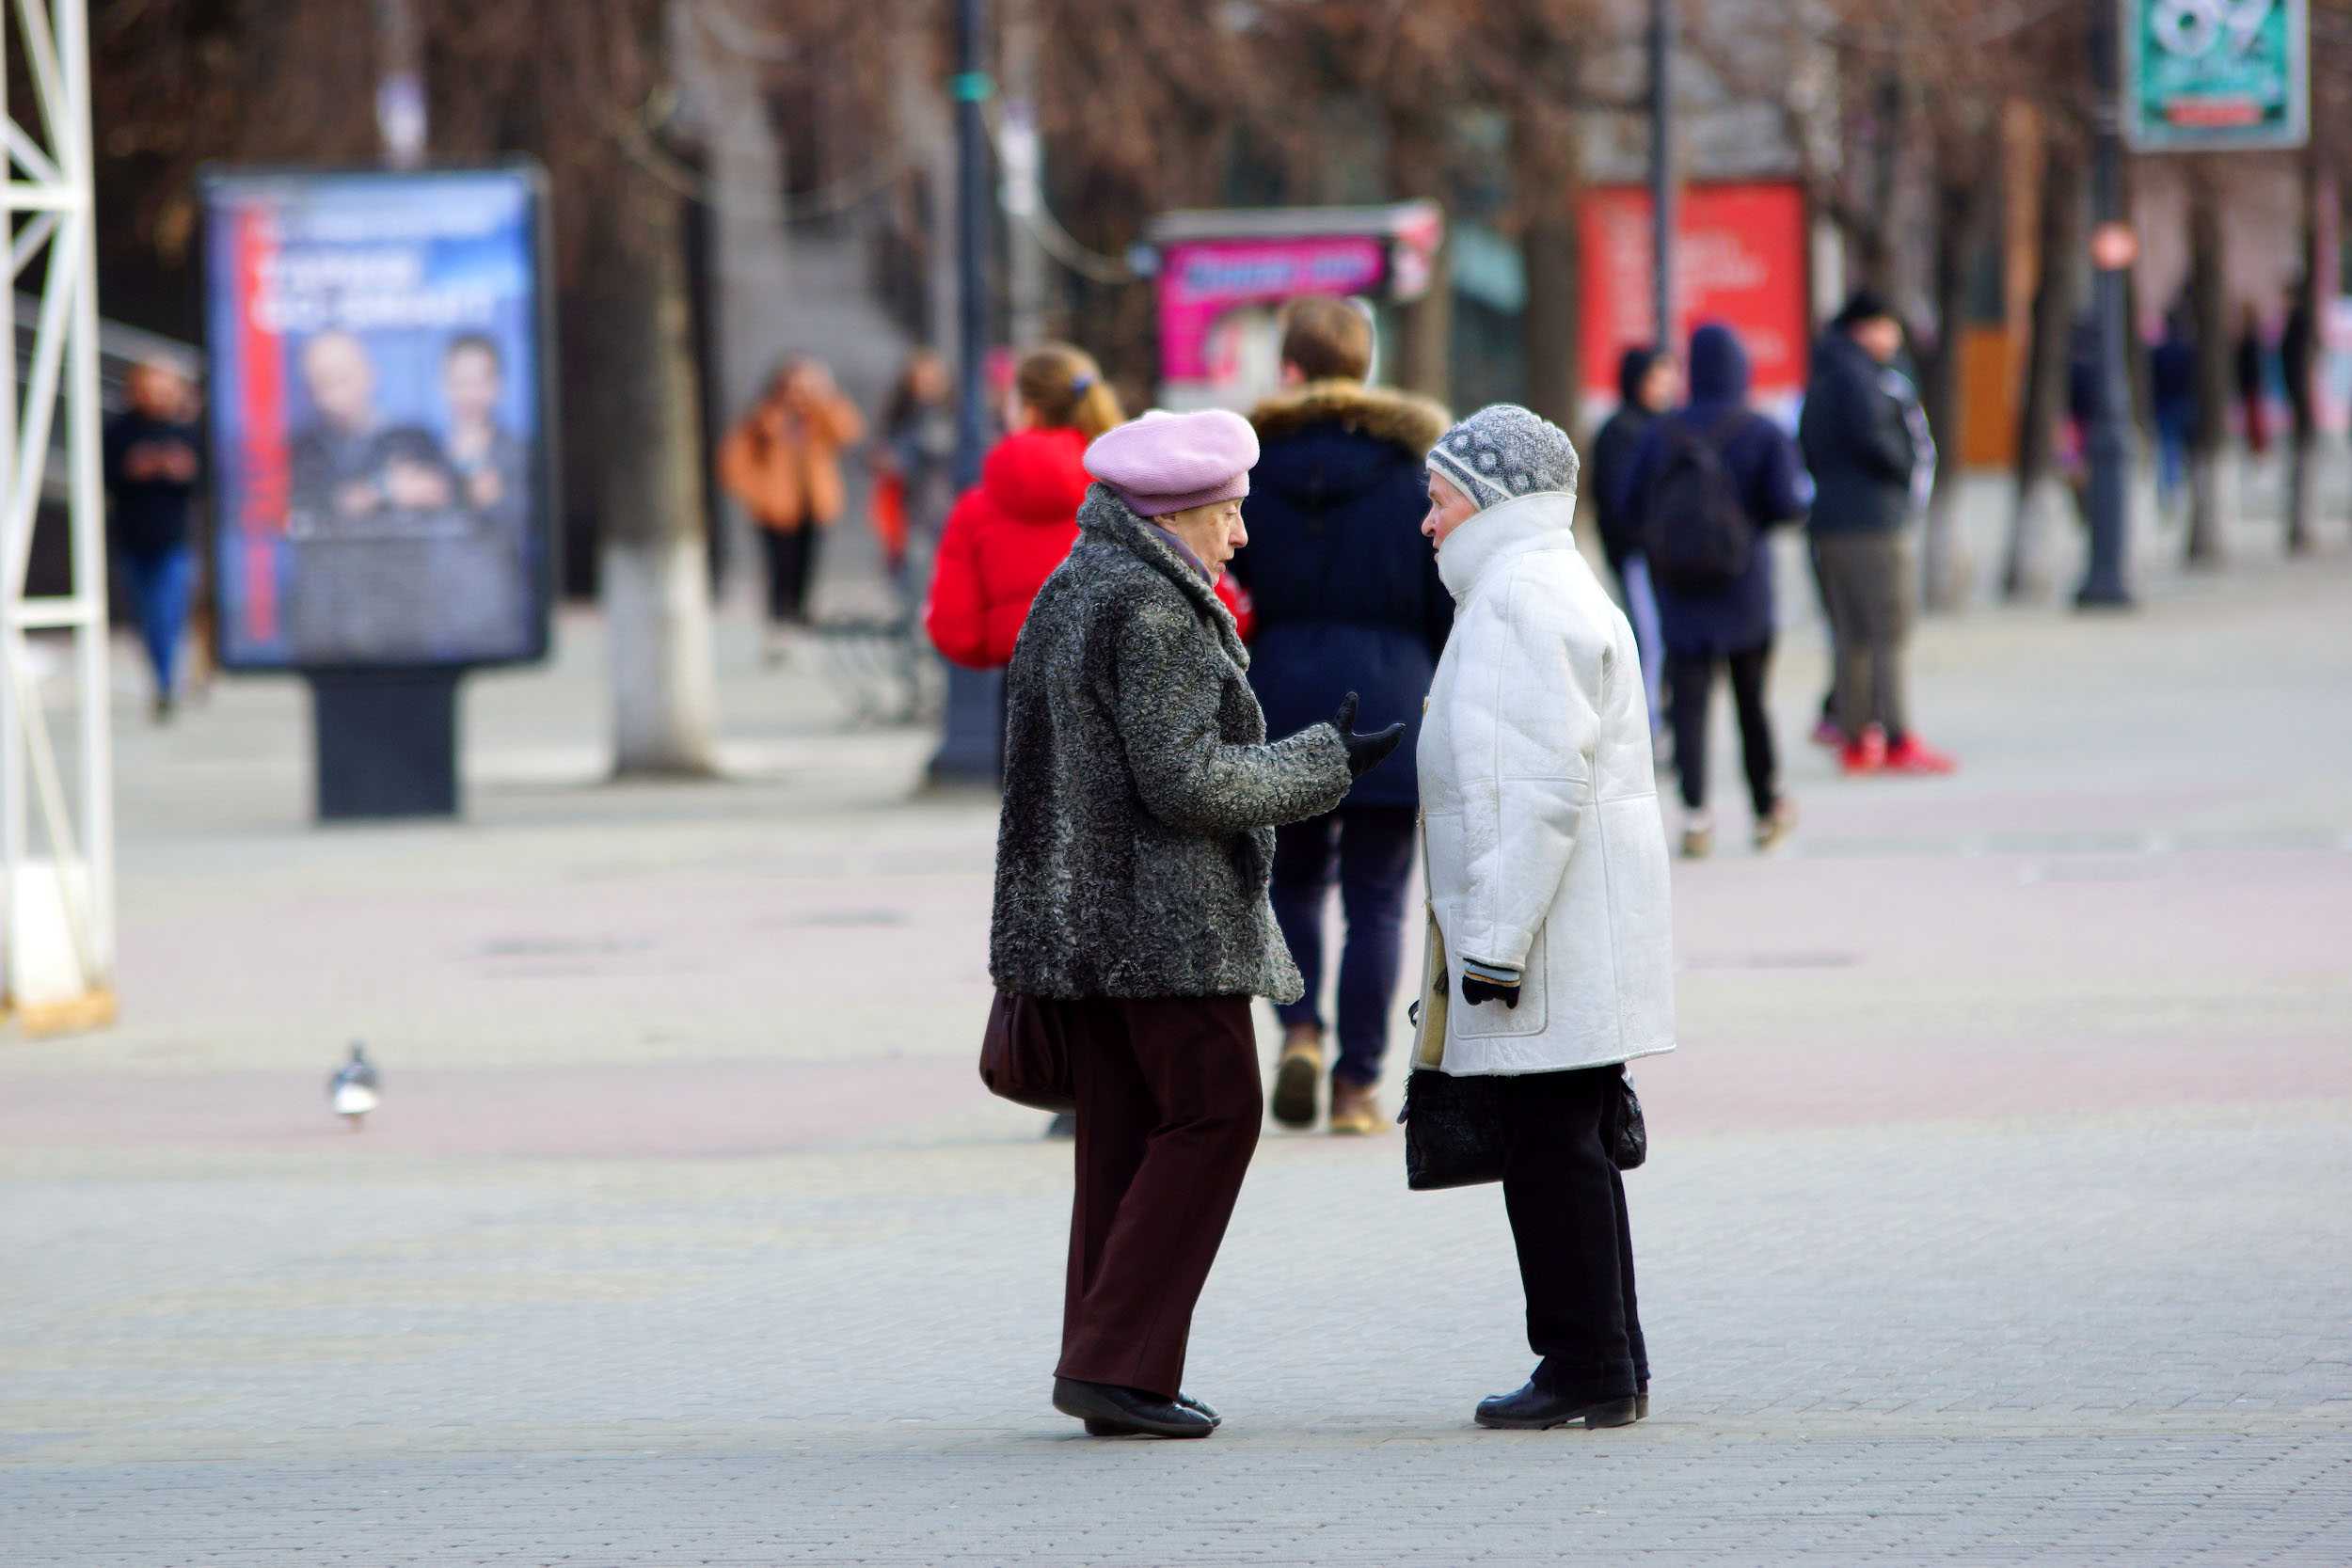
[[2110, 444], [972, 735], [1662, 168]]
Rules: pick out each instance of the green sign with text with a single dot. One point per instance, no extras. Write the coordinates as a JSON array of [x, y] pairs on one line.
[[2212, 75]]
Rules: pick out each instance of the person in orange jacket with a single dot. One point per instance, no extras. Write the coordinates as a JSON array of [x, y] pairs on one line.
[[1009, 532], [782, 462]]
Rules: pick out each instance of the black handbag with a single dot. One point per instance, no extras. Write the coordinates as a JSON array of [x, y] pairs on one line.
[[1024, 1054], [1629, 1135], [1453, 1130]]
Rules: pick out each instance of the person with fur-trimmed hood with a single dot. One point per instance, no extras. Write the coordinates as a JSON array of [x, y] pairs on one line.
[[1346, 594], [1132, 863]]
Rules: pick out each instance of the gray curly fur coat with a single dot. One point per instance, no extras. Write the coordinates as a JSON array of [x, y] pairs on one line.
[[1140, 794]]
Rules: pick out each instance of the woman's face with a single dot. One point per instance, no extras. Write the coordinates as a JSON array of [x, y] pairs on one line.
[[1215, 533], [1448, 509]]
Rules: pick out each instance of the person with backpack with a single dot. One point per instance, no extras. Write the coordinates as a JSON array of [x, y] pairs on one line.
[[1648, 382], [1867, 442], [1346, 594], [1709, 480]]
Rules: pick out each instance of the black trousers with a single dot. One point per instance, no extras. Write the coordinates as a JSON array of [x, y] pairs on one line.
[[1566, 1203], [1692, 680], [1169, 1105], [791, 568]]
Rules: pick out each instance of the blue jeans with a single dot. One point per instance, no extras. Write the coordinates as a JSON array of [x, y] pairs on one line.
[[1373, 857], [161, 585]]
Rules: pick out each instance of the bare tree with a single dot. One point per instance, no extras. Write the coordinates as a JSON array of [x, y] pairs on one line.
[[2208, 300]]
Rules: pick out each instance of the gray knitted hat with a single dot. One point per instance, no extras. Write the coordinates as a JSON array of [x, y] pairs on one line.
[[1504, 452]]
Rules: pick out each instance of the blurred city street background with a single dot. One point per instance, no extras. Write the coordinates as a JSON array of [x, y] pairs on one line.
[[1999, 1206], [1999, 1211]]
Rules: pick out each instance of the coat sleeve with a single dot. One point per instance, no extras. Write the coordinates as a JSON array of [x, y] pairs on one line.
[[957, 613], [1187, 776], [1524, 730], [1783, 489], [1866, 426]]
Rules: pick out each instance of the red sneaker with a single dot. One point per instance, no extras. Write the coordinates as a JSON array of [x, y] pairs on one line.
[[1866, 755], [1912, 756]]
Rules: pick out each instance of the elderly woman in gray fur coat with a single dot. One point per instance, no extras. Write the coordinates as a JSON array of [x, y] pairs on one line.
[[1131, 867]]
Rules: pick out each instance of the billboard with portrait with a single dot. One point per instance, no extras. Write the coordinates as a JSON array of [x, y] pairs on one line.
[[382, 484]]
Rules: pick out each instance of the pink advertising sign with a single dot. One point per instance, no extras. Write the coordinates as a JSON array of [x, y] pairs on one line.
[[1203, 281]]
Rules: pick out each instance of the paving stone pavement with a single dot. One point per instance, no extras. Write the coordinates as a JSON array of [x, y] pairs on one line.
[[2000, 1209]]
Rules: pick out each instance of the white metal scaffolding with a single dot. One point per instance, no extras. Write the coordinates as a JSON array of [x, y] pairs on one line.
[[57, 815]]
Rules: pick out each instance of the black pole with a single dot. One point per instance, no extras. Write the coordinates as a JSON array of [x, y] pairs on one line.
[[2110, 443], [971, 742], [972, 89], [1662, 187]]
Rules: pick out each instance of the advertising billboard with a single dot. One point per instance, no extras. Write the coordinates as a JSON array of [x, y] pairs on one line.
[[1224, 277], [382, 482], [2212, 75], [1741, 259]]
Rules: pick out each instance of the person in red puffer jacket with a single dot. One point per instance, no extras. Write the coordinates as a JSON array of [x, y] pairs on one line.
[[1009, 532]]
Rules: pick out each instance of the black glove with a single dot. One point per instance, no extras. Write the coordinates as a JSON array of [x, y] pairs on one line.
[[1364, 751], [1475, 990]]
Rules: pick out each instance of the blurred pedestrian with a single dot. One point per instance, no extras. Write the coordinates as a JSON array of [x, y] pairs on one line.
[[915, 466], [782, 462], [1648, 384], [2173, 393], [1132, 865], [1550, 893], [2253, 384], [1867, 442], [1007, 534], [1709, 479], [1346, 594], [154, 464]]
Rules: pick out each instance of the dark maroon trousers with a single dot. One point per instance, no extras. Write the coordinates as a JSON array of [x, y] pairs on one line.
[[1169, 1105]]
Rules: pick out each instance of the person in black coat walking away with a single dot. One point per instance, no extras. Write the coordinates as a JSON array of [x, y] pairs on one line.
[[1347, 596], [1648, 382], [1867, 442], [1709, 480]]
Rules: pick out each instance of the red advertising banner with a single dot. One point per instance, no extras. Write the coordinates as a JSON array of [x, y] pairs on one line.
[[1740, 260]]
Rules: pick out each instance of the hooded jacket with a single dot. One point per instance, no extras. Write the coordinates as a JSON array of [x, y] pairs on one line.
[[1345, 589], [1762, 462], [1002, 540], [1546, 853], [1857, 438], [1136, 846], [1613, 449]]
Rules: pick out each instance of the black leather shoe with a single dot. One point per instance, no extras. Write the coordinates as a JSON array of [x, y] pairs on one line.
[[1112, 1429], [1530, 1409], [1128, 1412]]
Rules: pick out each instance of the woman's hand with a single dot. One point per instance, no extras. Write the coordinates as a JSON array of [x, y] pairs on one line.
[[1483, 983], [1364, 751]]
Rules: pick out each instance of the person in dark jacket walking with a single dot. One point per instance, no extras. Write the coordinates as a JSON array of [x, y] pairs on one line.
[[1133, 859], [1729, 622], [1648, 383], [154, 464], [1346, 594], [1867, 442]]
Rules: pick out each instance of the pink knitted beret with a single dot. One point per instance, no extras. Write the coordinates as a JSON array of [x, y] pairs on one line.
[[1165, 463]]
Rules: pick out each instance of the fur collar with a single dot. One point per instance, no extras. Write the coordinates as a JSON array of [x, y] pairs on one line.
[[1106, 517], [1542, 521], [1399, 419]]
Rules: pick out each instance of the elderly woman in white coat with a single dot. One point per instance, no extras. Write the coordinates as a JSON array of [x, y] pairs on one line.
[[1549, 883]]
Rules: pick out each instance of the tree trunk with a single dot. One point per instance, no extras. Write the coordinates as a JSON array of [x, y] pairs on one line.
[[1425, 336], [2302, 401], [2209, 303], [1547, 182], [1960, 207], [2056, 299], [654, 534]]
